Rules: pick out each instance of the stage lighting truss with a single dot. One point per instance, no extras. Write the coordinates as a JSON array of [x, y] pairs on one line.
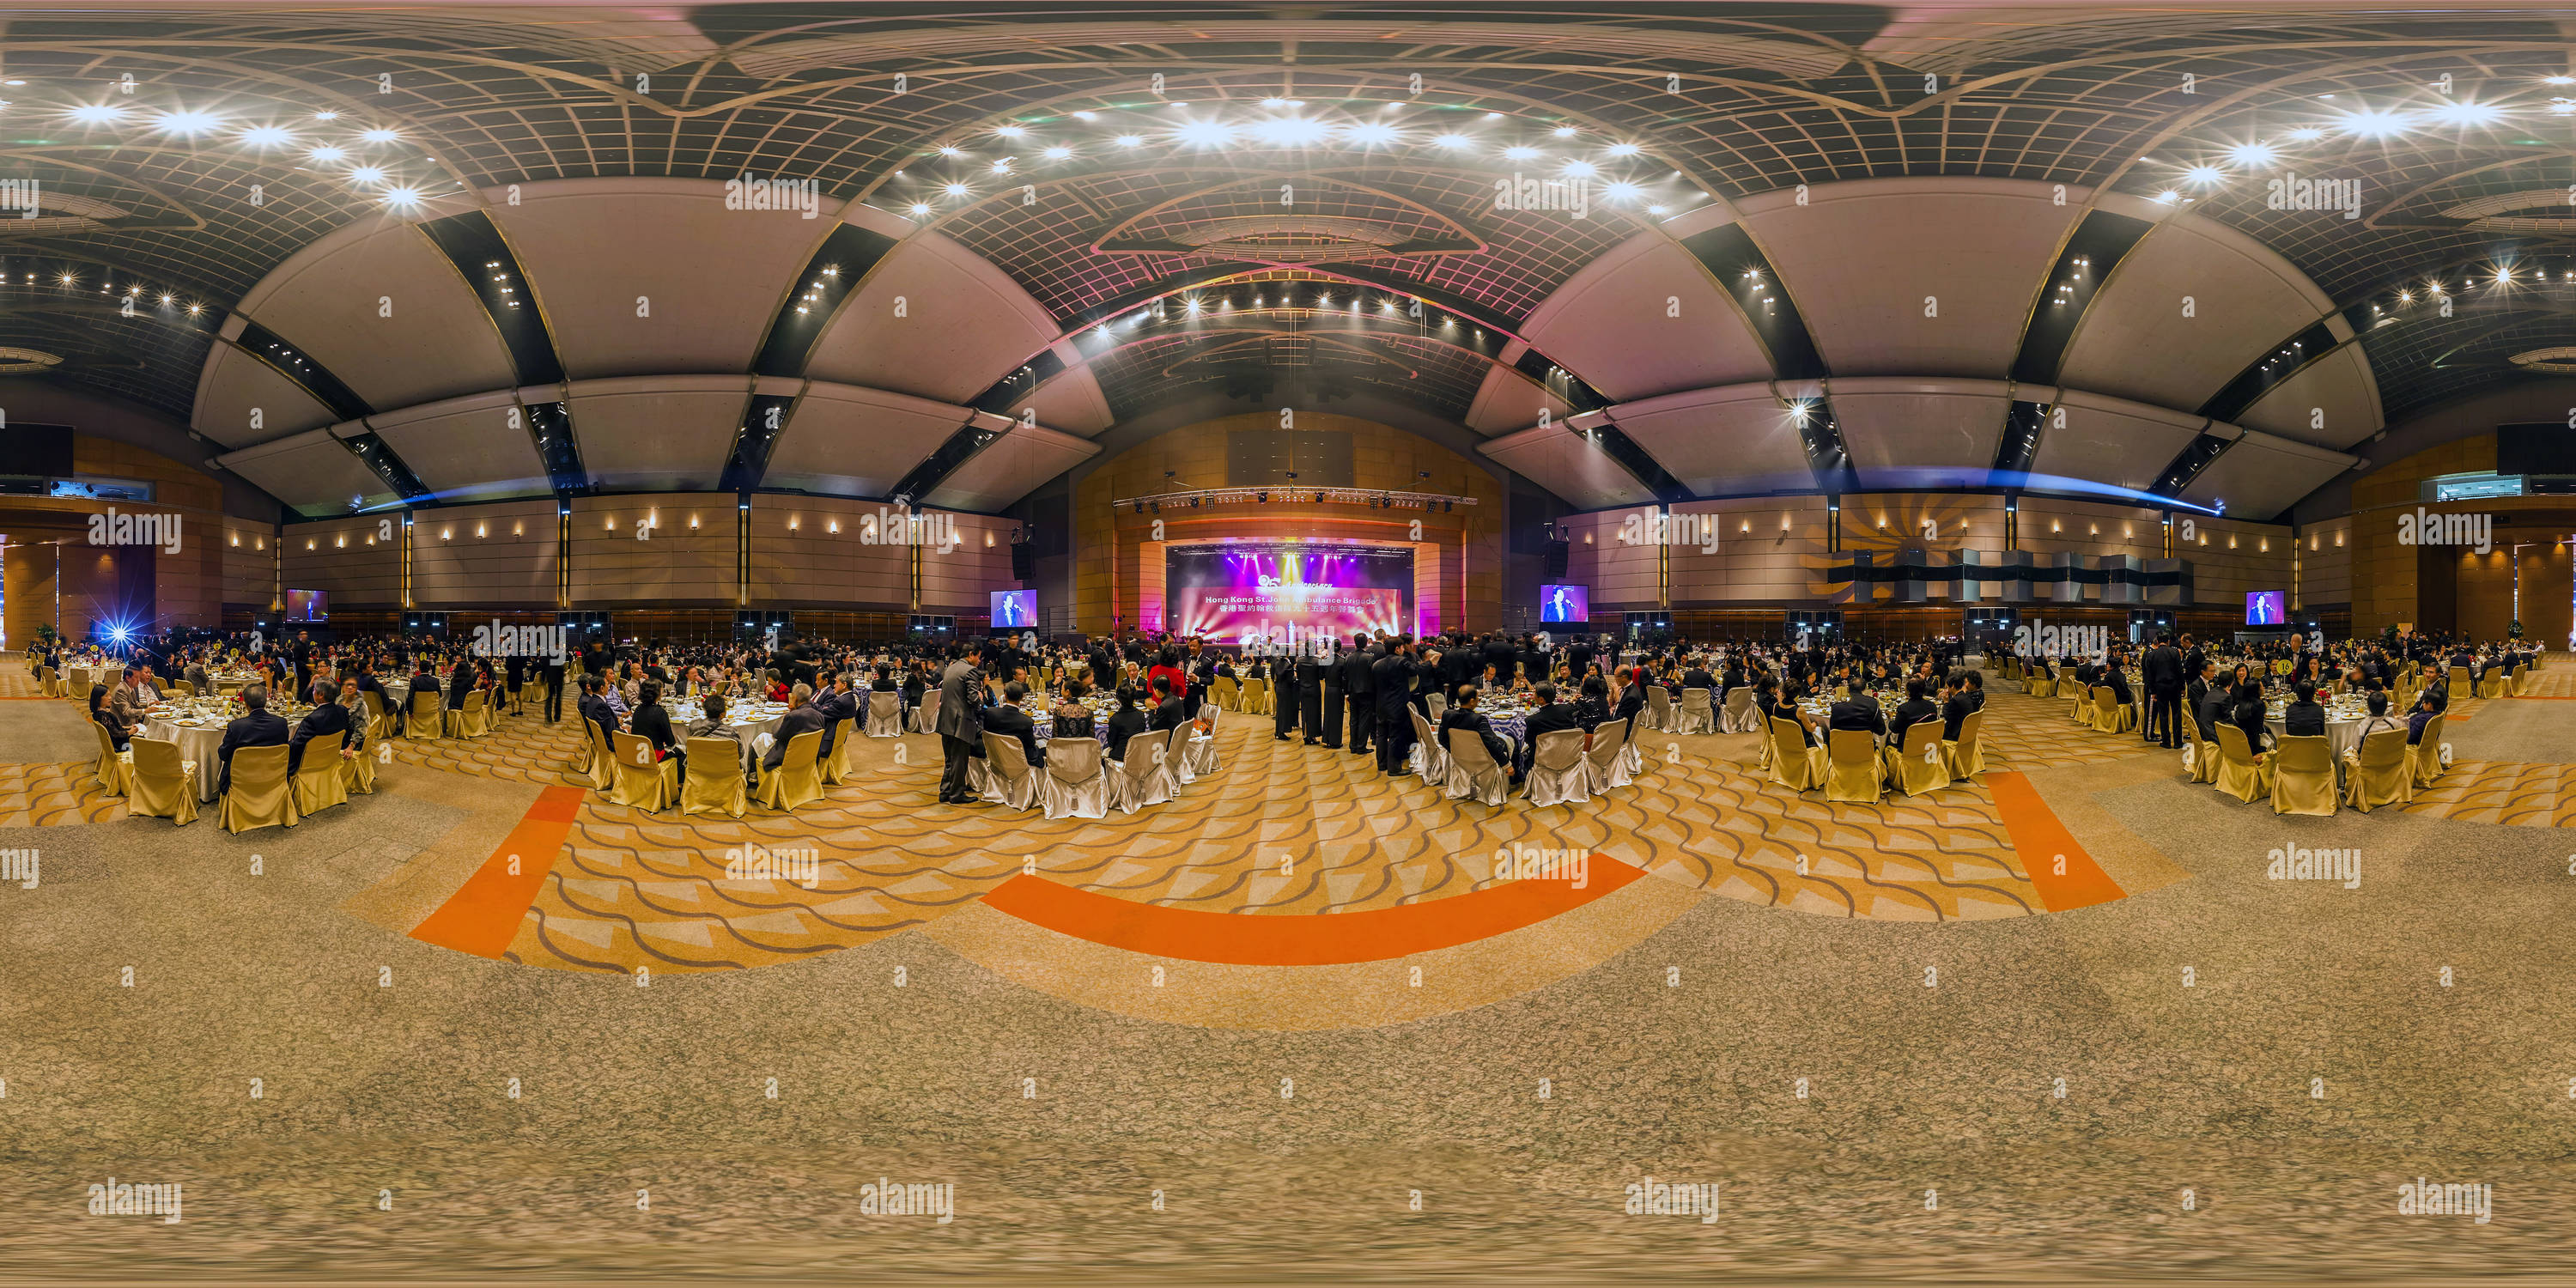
[[1429, 502]]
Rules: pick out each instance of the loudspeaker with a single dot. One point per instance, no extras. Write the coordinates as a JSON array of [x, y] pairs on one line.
[[1024, 561], [1557, 553]]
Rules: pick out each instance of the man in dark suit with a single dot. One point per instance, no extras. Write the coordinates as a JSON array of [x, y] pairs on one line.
[[1462, 714], [1916, 708], [837, 704], [1550, 716], [515, 670], [2208, 700], [1958, 707], [257, 728], [1283, 695], [804, 717], [1171, 711], [595, 709], [961, 723], [2422, 716], [2164, 678], [553, 671], [327, 718], [1391, 678], [1310, 693], [1857, 711], [1357, 670], [2303, 718], [1578, 659], [1010, 719], [1332, 697]]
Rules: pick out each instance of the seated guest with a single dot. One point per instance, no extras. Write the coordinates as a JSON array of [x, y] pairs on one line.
[[2116, 676], [1462, 714], [1697, 677], [1857, 711], [2248, 716], [2213, 705], [595, 709], [257, 728], [802, 717], [1767, 698], [715, 707], [1170, 712], [325, 719], [103, 712], [2425, 710], [129, 701], [1593, 706], [1009, 719], [1072, 719], [2377, 720], [2303, 718], [459, 683], [1916, 709], [1550, 716], [1632, 699], [653, 724], [1125, 723], [1961, 703]]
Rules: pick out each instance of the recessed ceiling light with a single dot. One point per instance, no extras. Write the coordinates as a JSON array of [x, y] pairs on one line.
[[378, 136], [1130, 140], [1565, 131], [2253, 155], [402, 196], [14, 82], [97, 113], [956, 190], [1623, 149], [1580, 170], [2546, 80], [1519, 153], [1204, 134], [266, 136], [2204, 174], [326, 154], [1619, 191], [366, 174], [1452, 140], [948, 152], [1274, 102], [2466, 112], [1493, 116], [2371, 123], [921, 207], [1370, 134], [1058, 153], [1656, 210], [1086, 116], [2168, 196]]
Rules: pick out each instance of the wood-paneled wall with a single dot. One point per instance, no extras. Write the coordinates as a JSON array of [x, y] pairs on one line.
[[687, 561], [492, 555]]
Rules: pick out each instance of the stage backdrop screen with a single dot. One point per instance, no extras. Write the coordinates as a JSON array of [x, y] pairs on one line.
[[308, 605], [1565, 603], [1249, 592], [1015, 608], [2266, 608]]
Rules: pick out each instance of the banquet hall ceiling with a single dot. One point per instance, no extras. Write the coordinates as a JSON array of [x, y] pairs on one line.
[[1820, 245]]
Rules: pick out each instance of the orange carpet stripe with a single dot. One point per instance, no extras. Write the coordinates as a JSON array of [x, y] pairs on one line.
[[2040, 840], [1252, 939], [484, 914]]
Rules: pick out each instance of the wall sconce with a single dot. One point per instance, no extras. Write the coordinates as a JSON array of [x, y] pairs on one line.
[[2204, 538], [2312, 541], [2096, 531], [259, 543], [2338, 538], [1587, 538], [693, 522], [371, 540], [608, 524], [481, 530], [988, 539], [519, 529], [2055, 525], [340, 542], [2128, 530], [653, 519], [446, 533], [1784, 523], [2231, 541], [832, 526], [1882, 520], [2264, 546], [1748, 526], [236, 538], [791, 523]]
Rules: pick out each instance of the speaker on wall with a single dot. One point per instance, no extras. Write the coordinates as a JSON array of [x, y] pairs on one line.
[[1557, 553], [1024, 561]]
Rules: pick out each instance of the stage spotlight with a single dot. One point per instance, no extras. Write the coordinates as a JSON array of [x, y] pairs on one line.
[[1319, 498], [1158, 507], [1262, 497], [1140, 507]]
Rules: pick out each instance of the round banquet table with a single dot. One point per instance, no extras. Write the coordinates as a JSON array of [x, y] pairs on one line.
[[1101, 710], [2343, 733], [757, 720], [200, 738]]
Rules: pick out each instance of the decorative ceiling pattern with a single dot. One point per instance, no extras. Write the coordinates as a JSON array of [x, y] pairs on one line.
[[1113, 156]]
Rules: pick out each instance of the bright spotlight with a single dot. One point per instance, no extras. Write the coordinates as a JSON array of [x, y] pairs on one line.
[[2466, 113], [366, 174], [1204, 134], [185, 122], [1624, 149], [97, 113], [1565, 131], [1130, 140], [1086, 116], [948, 152], [2204, 175], [1058, 153], [266, 136], [402, 196], [1520, 154], [326, 154], [2372, 123], [956, 190], [2253, 156], [379, 136], [1619, 192], [1580, 170], [1369, 135], [2168, 196], [1452, 141], [920, 208], [1009, 131]]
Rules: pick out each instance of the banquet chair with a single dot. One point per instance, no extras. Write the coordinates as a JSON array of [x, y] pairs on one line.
[[1631, 756], [1429, 759], [2375, 773], [49, 682], [1472, 771], [1918, 766], [1852, 767], [1437, 704], [474, 719], [1794, 764], [2110, 715], [1659, 708], [601, 768], [358, 773], [163, 786], [925, 718], [2513, 680], [712, 782], [1076, 783], [1175, 746], [2303, 776], [115, 768], [321, 781], [2239, 774], [1198, 754], [1256, 695], [1009, 779], [183, 688], [643, 782], [1965, 756], [1697, 716], [1611, 761], [2204, 753], [835, 767], [885, 715], [2459, 685], [1227, 694], [428, 717], [1139, 780], [1559, 772], [2038, 684], [2427, 769], [2493, 685], [2082, 708], [260, 795], [794, 783], [1741, 715], [380, 719]]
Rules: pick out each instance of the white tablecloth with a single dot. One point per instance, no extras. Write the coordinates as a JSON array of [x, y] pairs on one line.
[[750, 731], [195, 744], [2341, 735]]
